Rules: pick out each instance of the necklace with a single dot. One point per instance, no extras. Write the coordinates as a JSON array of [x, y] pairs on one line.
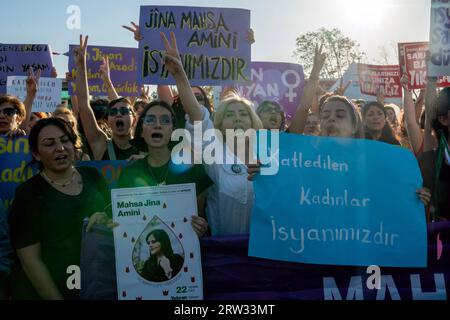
[[61, 184], [163, 182]]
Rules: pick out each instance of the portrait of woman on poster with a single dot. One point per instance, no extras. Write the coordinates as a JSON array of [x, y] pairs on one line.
[[163, 263]]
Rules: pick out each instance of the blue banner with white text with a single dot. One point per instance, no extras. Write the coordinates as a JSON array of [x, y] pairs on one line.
[[342, 202]]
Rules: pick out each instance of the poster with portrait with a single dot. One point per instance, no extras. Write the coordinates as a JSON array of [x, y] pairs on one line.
[[157, 250]]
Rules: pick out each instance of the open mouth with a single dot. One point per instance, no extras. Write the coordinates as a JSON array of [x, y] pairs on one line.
[[120, 125], [239, 127], [273, 119], [157, 136], [62, 158], [332, 130]]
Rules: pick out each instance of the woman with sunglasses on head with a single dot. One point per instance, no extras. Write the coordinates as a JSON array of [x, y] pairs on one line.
[[119, 112], [48, 211], [12, 112], [153, 136]]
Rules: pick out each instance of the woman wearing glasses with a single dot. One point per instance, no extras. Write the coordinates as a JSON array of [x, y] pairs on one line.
[[12, 112], [153, 132], [272, 115], [119, 112]]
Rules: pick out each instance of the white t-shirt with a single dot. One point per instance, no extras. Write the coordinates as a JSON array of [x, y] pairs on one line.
[[230, 200]]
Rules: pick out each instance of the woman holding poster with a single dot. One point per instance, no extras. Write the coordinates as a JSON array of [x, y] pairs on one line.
[[338, 117], [48, 212], [153, 132]]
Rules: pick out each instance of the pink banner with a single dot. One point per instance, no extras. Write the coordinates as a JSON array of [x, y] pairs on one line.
[[385, 79]]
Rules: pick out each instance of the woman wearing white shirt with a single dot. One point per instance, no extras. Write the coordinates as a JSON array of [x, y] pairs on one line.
[[230, 200]]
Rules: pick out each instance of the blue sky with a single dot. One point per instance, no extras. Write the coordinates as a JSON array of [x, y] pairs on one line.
[[372, 23]]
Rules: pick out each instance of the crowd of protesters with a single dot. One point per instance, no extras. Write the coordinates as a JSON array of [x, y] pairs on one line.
[[40, 236]]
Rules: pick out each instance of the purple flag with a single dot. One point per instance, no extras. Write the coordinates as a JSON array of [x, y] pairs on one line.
[[16, 59], [122, 64]]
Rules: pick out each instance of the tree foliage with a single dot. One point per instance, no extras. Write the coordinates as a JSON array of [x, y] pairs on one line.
[[341, 51]]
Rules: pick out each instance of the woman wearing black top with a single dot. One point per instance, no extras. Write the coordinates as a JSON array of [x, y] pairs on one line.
[[120, 117], [48, 211], [163, 263], [435, 164]]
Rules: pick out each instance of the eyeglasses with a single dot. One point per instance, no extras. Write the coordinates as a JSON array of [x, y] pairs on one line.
[[9, 112], [164, 120], [124, 111]]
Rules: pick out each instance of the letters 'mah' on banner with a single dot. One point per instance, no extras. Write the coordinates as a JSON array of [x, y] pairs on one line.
[[412, 58], [439, 38], [339, 201], [275, 81], [157, 250], [212, 42], [122, 65], [16, 59], [384, 79], [48, 95]]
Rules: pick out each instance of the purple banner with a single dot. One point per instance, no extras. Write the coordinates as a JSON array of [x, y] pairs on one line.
[[275, 81], [122, 65], [212, 42], [16, 59], [229, 273]]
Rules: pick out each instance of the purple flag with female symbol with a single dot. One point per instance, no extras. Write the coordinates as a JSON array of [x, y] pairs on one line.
[[276, 81]]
